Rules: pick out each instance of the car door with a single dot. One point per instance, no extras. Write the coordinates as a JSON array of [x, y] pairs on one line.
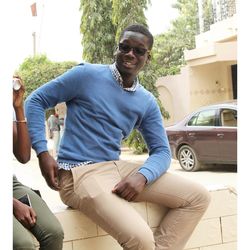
[[202, 135], [227, 135]]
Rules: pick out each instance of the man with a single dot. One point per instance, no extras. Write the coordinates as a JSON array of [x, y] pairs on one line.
[[54, 131], [104, 103]]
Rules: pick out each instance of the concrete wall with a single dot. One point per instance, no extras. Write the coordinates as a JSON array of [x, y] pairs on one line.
[[216, 231], [210, 84], [195, 87], [174, 95]]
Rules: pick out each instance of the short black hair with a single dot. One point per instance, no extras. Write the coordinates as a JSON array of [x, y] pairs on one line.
[[140, 29]]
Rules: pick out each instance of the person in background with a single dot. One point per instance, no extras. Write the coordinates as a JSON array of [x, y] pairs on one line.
[[104, 104], [34, 217], [54, 131], [61, 121]]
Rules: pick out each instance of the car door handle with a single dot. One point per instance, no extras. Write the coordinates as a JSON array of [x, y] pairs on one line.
[[220, 135], [191, 134]]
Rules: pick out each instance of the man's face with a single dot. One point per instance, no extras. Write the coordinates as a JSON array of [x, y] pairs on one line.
[[132, 53]]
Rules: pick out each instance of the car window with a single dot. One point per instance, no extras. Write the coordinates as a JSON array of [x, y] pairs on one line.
[[228, 118], [192, 121], [204, 118]]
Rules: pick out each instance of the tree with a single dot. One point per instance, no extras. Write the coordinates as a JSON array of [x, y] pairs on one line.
[[207, 15], [101, 25], [128, 12], [170, 46], [37, 70], [98, 31]]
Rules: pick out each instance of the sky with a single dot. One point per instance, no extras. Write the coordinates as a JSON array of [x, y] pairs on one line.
[[57, 27]]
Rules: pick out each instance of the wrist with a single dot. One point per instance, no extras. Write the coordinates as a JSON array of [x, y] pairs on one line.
[[43, 155], [15, 202], [142, 177]]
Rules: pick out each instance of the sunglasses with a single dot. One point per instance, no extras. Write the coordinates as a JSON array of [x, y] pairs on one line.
[[124, 48]]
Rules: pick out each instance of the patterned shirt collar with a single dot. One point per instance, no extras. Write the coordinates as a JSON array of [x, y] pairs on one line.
[[116, 74]]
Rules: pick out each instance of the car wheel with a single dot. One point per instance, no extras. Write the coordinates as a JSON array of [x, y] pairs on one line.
[[188, 159]]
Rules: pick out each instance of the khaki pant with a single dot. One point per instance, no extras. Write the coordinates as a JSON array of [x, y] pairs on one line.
[[88, 189]]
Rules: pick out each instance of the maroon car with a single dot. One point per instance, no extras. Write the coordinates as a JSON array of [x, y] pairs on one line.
[[206, 136]]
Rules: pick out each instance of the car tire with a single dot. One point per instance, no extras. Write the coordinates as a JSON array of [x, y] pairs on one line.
[[188, 159]]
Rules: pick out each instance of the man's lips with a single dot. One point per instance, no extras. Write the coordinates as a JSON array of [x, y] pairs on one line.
[[128, 64]]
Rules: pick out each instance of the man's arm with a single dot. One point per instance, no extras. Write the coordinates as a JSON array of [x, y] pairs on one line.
[[154, 134], [49, 170], [47, 96], [21, 140], [158, 162]]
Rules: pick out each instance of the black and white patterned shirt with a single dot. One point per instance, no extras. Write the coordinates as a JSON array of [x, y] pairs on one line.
[[116, 74]]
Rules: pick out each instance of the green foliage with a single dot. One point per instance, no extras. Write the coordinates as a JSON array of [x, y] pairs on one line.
[[208, 15], [37, 70], [128, 12], [169, 47], [136, 141], [98, 32]]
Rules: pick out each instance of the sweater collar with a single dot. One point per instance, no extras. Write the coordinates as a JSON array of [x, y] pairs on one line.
[[116, 74]]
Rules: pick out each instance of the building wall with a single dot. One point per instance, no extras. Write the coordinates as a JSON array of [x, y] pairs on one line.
[[195, 87], [206, 78], [174, 95], [209, 84]]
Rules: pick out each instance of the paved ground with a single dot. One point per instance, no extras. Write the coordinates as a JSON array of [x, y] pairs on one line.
[[30, 175]]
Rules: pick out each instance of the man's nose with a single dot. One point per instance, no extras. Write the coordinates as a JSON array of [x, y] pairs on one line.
[[131, 52]]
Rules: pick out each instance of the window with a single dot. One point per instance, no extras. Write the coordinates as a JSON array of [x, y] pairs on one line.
[[192, 121], [204, 118], [229, 118]]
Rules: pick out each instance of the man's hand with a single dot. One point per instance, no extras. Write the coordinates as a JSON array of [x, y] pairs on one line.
[[49, 170], [130, 187], [24, 214]]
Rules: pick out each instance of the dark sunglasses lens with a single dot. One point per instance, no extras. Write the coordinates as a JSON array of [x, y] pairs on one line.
[[124, 48], [140, 51]]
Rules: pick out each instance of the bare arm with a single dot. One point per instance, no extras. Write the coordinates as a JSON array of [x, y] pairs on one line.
[[49, 170], [21, 140]]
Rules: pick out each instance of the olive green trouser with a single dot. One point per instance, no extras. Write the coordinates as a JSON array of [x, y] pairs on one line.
[[47, 230], [88, 189]]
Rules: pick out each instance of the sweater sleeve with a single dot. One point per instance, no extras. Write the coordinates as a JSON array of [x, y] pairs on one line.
[[60, 89], [156, 139]]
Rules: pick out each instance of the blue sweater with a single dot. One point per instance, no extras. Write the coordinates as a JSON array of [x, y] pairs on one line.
[[99, 115]]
